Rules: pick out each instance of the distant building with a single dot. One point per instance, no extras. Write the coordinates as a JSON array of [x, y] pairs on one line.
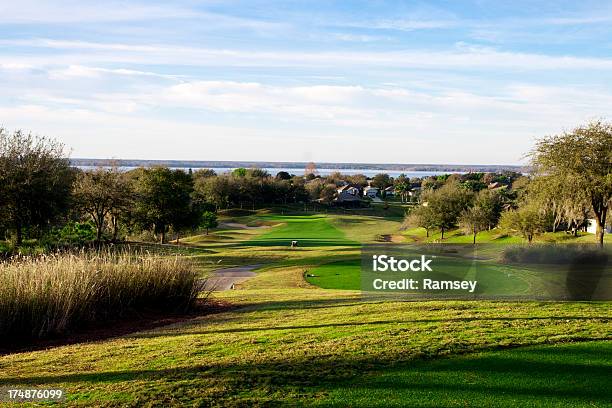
[[370, 191], [415, 191], [390, 191], [348, 189], [592, 227], [348, 196], [345, 197]]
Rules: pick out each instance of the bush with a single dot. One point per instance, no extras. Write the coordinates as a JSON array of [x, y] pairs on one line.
[[72, 234], [49, 295]]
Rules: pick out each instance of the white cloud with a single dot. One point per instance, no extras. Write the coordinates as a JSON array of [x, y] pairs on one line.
[[389, 109], [125, 15], [80, 71], [461, 58], [493, 128], [126, 137], [403, 24], [83, 11], [11, 66]]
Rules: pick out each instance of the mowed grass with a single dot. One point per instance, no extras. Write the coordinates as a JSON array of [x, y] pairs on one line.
[[345, 274], [308, 230], [456, 236], [293, 346], [287, 342], [563, 375], [493, 279]]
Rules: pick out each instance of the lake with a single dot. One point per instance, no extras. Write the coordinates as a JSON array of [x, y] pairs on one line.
[[323, 172]]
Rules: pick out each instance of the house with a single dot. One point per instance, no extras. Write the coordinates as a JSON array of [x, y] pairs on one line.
[[389, 191], [348, 196], [414, 191], [348, 189], [370, 191], [592, 227]]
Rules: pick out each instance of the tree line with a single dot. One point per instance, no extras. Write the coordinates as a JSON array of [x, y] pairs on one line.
[[569, 183], [40, 193]]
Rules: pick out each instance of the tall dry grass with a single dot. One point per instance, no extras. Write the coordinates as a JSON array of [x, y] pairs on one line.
[[52, 294]]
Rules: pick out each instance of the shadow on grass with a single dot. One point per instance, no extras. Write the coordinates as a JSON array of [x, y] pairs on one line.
[[566, 375], [570, 374]]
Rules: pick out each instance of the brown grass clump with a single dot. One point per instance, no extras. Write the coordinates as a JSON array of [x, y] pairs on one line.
[[51, 294]]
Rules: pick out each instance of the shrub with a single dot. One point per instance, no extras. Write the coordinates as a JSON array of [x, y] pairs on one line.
[[50, 295], [72, 234]]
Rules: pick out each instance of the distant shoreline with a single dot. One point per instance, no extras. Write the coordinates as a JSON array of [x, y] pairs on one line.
[[197, 164]]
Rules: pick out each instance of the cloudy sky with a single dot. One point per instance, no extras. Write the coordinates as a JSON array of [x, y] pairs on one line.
[[346, 81]]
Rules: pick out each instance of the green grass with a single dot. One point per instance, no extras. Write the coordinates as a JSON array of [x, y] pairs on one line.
[[493, 279], [292, 346], [567, 375], [290, 343], [456, 236], [308, 230], [337, 275], [366, 229]]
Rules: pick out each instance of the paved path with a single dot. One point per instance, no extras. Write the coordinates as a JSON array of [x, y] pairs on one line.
[[224, 279]]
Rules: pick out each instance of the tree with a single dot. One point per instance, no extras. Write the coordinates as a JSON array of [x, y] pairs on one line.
[[164, 200], [258, 173], [336, 178], [402, 186], [314, 188], [473, 220], [381, 181], [357, 180], [581, 160], [203, 174], [102, 193], [474, 185], [328, 193], [240, 172], [433, 183], [566, 209], [446, 204], [283, 175], [526, 220], [490, 204], [209, 220], [35, 181], [422, 217], [214, 190], [298, 190]]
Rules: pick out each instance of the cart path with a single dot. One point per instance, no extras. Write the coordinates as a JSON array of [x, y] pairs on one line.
[[224, 279]]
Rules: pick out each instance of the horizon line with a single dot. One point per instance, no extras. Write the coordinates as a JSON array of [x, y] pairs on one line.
[[288, 164]]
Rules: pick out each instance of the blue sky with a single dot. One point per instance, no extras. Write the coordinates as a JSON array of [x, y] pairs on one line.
[[347, 81]]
